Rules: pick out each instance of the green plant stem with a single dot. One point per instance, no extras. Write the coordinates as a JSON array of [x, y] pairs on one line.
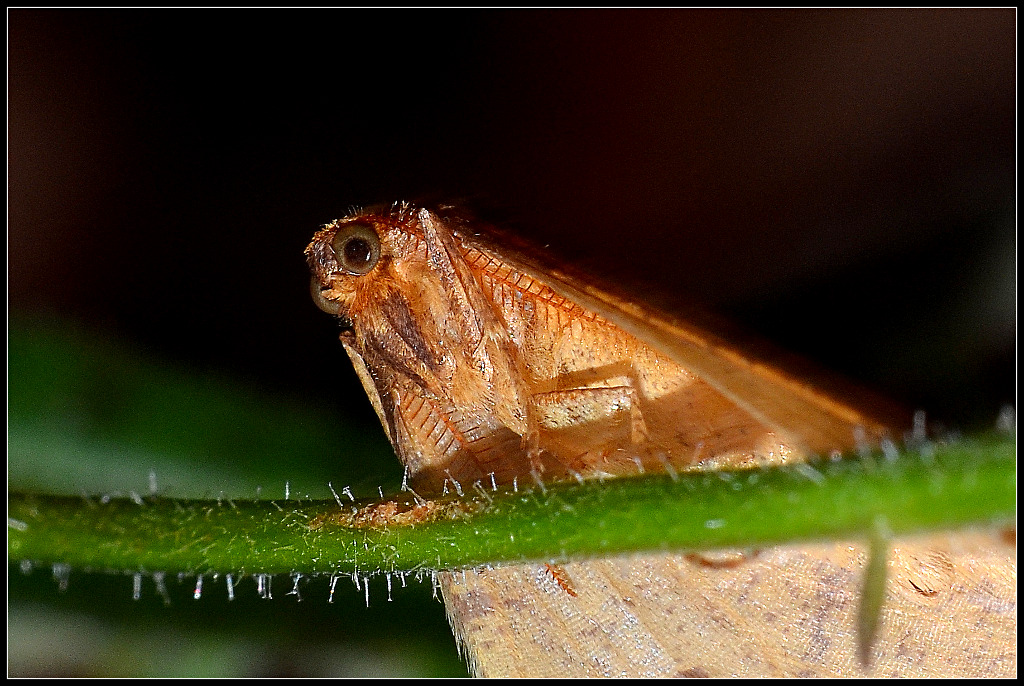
[[937, 486]]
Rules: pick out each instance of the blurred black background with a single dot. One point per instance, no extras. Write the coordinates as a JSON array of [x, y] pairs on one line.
[[841, 182]]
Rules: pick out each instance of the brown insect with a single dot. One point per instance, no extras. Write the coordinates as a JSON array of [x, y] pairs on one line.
[[562, 579], [486, 362]]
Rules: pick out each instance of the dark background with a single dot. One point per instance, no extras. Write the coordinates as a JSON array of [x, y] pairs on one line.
[[840, 182]]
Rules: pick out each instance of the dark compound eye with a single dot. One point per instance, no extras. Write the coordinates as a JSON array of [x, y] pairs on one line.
[[356, 247]]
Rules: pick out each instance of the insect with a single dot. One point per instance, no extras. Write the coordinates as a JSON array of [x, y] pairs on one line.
[[485, 362], [562, 579]]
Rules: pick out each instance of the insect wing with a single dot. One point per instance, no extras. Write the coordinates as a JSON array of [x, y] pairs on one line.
[[803, 405]]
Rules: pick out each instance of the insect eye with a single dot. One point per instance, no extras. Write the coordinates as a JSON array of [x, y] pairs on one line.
[[356, 247]]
